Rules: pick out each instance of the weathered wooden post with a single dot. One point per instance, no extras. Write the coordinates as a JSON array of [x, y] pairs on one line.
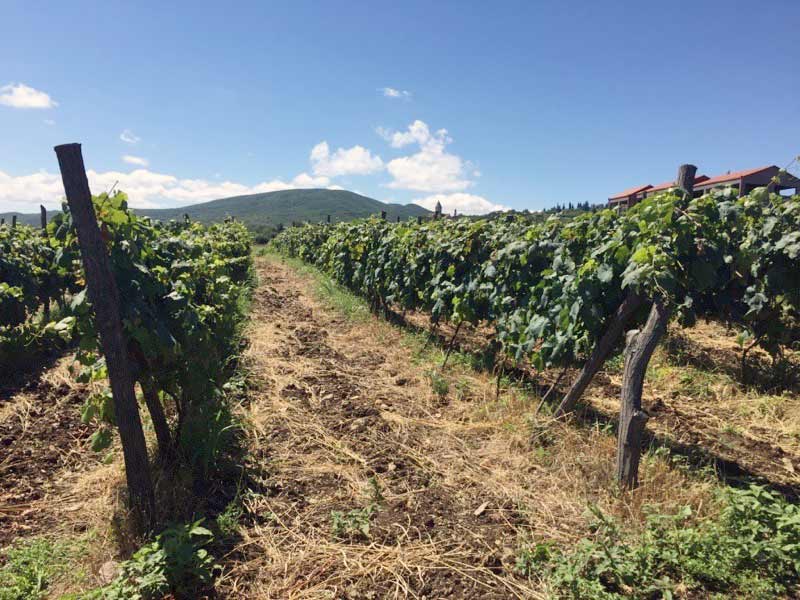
[[600, 353], [329, 219], [437, 212], [419, 219], [639, 348], [632, 303], [383, 215], [398, 218], [104, 296], [13, 221], [43, 216], [2, 220]]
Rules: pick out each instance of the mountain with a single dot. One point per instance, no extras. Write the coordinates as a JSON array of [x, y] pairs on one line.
[[260, 211], [33, 219], [286, 206]]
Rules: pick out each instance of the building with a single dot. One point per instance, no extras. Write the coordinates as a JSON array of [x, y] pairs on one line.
[[746, 181], [628, 198], [743, 181]]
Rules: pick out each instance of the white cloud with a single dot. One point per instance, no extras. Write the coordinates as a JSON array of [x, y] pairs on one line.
[[135, 160], [432, 169], [20, 95], [465, 204], [390, 92], [145, 188], [345, 161], [49, 122], [129, 137]]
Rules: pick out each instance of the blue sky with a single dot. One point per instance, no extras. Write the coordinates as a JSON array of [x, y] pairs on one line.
[[540, 102]]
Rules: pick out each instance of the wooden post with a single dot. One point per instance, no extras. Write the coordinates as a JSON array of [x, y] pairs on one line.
[[632, 419], [13, 221], [398, 218], [685, 179], [383, 215], [2, 220], [329, 218], [104, 296], [601, 352], [419, 219], [43, 216], [639, 348]]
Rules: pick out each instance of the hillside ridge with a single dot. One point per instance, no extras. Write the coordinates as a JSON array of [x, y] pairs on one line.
[[269, 209]]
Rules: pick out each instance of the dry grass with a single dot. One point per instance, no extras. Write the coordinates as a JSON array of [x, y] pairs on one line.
[[61, 490]]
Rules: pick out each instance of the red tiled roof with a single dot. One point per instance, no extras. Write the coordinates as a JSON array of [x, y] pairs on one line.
[[669, 184], [630, 192], [736, 175]]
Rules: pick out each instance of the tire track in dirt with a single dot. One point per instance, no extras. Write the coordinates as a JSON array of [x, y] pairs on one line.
[[344, 424]]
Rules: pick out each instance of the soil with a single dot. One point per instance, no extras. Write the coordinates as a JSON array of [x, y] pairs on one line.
[[348, 429], [41, 439], [709, 431]]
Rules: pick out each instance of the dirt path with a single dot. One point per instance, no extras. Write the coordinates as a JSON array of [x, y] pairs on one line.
[[377, 486], [346, 424]]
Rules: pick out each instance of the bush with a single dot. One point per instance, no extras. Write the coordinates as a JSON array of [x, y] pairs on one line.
[[176, 562], [752, 551]]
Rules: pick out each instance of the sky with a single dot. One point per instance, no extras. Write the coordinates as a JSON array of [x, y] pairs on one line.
[[479, 105]]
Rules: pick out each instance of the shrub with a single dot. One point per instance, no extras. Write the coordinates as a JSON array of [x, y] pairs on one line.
[[751, 551], [175, 562]]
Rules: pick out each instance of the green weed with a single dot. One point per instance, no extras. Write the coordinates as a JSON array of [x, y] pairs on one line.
[[751, 551], [30, 568], [352, 524], [176, 563]]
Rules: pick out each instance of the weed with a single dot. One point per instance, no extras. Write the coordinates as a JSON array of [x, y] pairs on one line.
[[376, 492], [752, 551], [228, 519], [533, 560], [439, 384], [31, 567], [615, 363], [462, 389], [731, 429], [176, 563], [352, 524]]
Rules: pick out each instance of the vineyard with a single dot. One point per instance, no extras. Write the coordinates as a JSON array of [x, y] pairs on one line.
[[559, 292], [416, 409]]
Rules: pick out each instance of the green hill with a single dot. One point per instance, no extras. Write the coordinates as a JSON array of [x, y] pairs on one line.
[[286, 206], [26, 219], [266, 211]]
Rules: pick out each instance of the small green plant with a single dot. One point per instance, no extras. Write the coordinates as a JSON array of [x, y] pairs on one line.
[[176, 563], [533, 560], [228, 519], [376, 491], [352, 524], [439, 384], [615, 363], [29, 569], [751, 551]]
